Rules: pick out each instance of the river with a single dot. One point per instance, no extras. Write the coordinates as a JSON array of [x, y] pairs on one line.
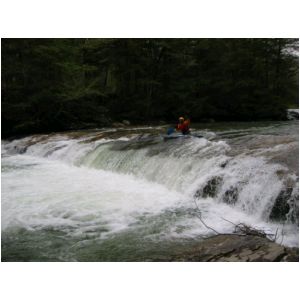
[[126, 194]]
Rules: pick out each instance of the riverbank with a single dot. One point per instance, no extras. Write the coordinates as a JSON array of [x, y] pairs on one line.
[[235, 248]]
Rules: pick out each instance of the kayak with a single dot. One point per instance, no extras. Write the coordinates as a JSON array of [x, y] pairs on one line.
[[180, 135]]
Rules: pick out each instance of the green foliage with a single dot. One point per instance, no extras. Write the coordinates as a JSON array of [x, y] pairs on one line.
[[62, 84]]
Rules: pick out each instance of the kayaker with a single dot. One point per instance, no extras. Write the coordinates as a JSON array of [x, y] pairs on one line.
[[183, 125]]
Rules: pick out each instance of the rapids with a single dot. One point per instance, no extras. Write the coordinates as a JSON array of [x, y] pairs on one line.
[[127, 195]]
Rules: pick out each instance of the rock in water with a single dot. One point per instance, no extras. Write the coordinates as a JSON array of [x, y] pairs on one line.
[[117, 124], [126, 122], [293, 114], [210, 189]]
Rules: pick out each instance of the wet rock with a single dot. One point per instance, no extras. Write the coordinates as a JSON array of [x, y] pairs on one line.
[[20, 149], [210, 189], [126, 122], [54, 149], [289, 158], [293, 114], [230, 248], [292, 254], [281, 206], [293, 214], [231, 195], [223, 165], [117, 124]]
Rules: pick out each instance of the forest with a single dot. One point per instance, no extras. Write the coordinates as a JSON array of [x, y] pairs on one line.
[[55, 84]]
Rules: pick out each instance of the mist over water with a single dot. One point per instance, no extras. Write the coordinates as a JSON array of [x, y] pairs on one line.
[[128, 194]]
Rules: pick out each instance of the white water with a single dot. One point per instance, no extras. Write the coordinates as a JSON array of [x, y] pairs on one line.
[[293, 114], [94, 190]]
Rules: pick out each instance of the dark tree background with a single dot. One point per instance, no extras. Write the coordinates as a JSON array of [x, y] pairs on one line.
[[61, 84]]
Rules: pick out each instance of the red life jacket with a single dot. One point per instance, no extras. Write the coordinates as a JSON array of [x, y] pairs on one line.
[[184, 127]]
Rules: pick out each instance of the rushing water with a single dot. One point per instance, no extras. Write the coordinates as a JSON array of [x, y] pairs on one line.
[[130, 195]]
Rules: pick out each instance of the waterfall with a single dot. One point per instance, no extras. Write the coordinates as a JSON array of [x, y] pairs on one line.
[[98, 186]]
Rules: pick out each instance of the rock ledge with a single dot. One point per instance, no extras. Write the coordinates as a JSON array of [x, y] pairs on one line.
[[231, 248]]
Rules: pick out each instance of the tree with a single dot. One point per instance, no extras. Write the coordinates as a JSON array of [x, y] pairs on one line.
[[62, 84]]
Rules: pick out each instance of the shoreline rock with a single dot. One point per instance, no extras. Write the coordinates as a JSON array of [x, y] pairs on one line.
[[237, 248]]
